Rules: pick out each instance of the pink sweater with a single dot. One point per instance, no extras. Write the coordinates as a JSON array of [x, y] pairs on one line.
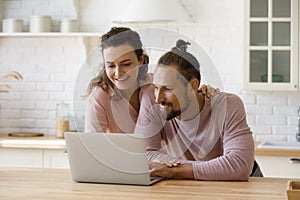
[[217, 142], [110, 112]]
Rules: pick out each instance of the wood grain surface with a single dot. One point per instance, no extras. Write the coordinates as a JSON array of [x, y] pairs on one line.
[[38, 183]]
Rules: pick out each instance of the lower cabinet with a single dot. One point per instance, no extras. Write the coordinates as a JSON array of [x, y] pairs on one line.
[[55, 159], [46, 158], [278, 166]]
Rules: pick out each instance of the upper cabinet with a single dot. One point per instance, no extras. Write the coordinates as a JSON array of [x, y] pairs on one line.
[[271, 45]]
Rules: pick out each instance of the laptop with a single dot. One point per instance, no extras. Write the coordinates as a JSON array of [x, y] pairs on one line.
[[108, 158]]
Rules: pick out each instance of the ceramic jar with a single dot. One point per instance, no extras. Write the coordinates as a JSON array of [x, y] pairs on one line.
[[69, 25], [12, 25], [40, 24]]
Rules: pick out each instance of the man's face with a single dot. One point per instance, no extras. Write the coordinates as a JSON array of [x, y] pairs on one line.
[[170, 91]]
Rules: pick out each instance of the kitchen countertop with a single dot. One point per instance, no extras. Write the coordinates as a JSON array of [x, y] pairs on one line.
[[275, 152], [41, 142], [37, 183], [51, 142]]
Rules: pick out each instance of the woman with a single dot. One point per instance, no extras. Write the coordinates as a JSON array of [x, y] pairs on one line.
[[114, 95]]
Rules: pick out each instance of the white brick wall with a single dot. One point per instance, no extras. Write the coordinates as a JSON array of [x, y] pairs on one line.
[[50, 65], [49, 72]]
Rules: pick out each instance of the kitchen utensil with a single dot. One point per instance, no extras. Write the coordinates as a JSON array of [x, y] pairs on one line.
[[25, 134]]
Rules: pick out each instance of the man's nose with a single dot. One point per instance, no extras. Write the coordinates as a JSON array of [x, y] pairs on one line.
[[159, 95]]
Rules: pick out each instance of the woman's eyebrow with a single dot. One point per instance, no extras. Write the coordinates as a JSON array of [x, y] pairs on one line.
[[122, 61], [126, 60]]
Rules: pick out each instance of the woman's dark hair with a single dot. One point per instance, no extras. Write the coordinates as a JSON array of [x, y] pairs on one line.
[[187, 65], [114, 37]]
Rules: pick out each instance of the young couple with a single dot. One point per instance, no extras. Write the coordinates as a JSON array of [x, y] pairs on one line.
[[197, 137]]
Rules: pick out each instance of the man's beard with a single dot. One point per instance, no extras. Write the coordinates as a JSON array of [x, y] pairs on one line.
[[173, 114]]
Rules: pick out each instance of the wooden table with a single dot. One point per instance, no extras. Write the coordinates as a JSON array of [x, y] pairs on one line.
[[38, 183]]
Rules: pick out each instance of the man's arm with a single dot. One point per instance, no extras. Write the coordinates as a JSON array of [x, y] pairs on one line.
[[238, 156], [181, 171], [238, 147], [150, 124]]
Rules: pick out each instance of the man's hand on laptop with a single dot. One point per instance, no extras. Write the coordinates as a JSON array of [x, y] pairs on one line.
[[172, 169], [158, 164], [160, 167]]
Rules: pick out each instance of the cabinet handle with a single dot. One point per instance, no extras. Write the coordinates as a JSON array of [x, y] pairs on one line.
[[295, 160], [66, 152]]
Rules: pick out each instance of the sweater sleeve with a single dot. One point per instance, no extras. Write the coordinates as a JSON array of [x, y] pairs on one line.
[[238, 147], [150, 124], [96, 115], [237, 159]]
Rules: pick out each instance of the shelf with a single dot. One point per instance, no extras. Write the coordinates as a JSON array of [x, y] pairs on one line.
[[51, 34]]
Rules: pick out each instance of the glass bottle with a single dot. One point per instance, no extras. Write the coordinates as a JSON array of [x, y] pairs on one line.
[[62, 119], [298, 127]]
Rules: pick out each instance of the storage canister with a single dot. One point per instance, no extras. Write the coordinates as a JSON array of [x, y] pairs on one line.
[[40, 24], [69, 25], [62, 119], [12, 25]]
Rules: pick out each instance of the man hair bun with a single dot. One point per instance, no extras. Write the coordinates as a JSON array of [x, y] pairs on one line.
[[181, 45]]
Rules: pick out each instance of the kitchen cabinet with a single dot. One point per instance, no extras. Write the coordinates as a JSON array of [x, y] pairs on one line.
[[278, 166], [43, 158], [55, 159], [46, 151], [271, 45], [21, 157]]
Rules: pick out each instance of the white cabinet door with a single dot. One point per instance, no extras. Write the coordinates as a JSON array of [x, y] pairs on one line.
[[271, 45], [278, 166], [55, 159], [47, 158], [21, 157]]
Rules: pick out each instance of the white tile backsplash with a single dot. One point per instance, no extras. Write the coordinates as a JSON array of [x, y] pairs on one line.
[[50, 65]]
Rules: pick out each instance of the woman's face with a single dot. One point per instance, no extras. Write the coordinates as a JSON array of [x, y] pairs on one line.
[[121, 66]]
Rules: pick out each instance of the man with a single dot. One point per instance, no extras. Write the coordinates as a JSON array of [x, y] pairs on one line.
[[198, 138]]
